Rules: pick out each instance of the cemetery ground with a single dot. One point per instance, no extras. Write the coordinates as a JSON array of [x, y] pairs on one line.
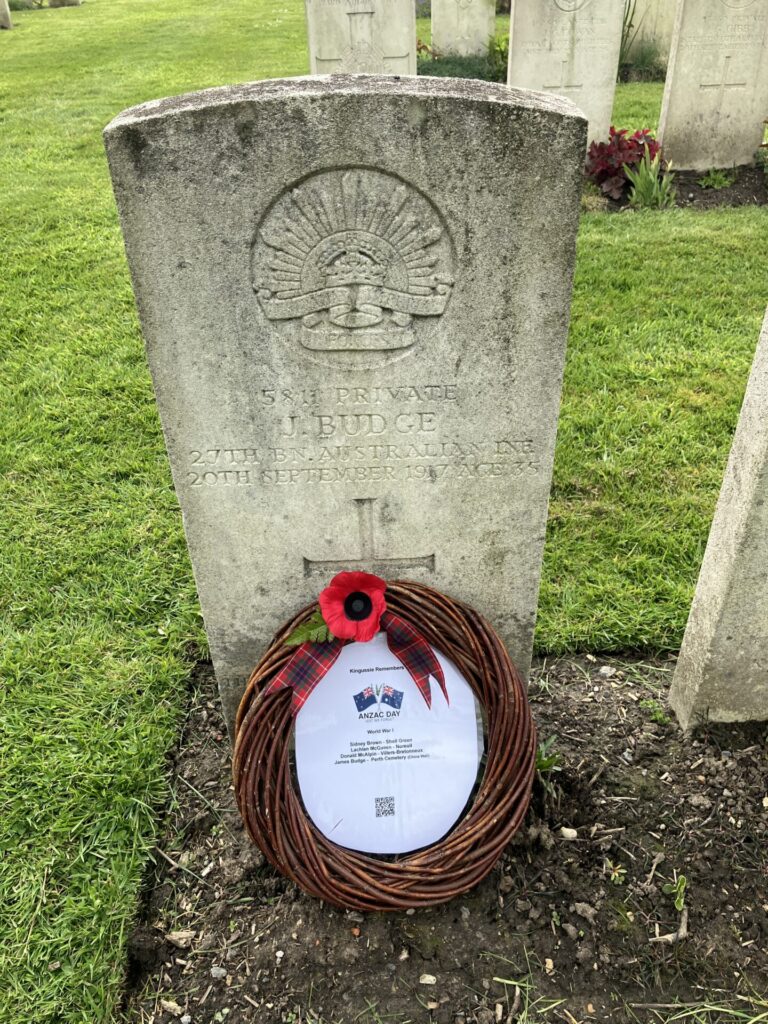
[[101, 630]]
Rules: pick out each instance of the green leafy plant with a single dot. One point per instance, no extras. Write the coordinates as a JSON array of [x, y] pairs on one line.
[[677, 889], [617, 874], [715, 178], [651, 185], [425, 52], [498, 58], [607, 162], [761, 157], [313, 631], [547, 760], [657, 713], [628, 30]]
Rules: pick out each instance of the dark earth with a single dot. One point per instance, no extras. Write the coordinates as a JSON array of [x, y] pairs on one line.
[[576, 923], [748, 187]]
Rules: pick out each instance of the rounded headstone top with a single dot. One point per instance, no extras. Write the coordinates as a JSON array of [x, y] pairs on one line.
[[334, 86]]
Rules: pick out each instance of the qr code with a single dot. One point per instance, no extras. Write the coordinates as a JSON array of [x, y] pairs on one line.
[[385, 806]]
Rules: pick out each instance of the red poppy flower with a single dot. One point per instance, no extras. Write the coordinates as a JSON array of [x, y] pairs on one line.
[[352, 605]]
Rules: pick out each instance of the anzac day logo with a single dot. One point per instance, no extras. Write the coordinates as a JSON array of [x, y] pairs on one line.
[[349, 261], [375, 697]]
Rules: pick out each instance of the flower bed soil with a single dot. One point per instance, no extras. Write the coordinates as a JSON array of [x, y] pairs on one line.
[[578, 915], [749, 188]]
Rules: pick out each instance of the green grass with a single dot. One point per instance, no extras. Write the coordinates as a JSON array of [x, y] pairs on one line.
[[99, 614]]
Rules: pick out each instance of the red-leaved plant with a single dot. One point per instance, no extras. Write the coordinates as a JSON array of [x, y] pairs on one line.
[[606, 160]]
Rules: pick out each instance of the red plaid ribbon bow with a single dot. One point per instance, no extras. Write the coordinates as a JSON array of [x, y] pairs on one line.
[[311, 662]]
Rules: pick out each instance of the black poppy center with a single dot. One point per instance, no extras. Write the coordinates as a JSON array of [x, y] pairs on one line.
[[357, 606]]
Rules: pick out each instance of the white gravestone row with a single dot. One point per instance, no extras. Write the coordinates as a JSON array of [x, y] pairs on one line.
[[570, 48], [716, 92], [722, 672], [357, 359], [463, 27], [370, 36]]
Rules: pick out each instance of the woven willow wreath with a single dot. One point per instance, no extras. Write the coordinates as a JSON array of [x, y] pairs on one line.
[[272, 809]]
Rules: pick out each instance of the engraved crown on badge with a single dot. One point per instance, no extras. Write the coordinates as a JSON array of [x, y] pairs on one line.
[[352, 258]]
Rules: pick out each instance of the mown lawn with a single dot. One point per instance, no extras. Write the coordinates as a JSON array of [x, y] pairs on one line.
[[99, 616]]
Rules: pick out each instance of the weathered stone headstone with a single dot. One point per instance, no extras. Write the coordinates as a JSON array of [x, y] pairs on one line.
[[463, 27], [716, 92], [357, 358], [570, 48], [5, 15], [373, 36], [722, 672]]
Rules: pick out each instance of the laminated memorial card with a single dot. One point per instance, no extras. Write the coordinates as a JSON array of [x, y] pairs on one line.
[[354, 292]]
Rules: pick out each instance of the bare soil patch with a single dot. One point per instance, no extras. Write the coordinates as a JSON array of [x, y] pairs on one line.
[[749, 188], [579, 915]]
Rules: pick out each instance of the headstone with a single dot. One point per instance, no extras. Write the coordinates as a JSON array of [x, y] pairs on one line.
[[569, 48], [716, 92], [5, 15], [463, 27], [722, 671], [357, 358], [373, 36]]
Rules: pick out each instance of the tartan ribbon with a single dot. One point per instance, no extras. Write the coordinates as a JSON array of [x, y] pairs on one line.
[[312, 662], [412, 650]]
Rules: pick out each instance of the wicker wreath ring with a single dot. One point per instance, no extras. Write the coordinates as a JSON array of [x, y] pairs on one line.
[[275, 817]]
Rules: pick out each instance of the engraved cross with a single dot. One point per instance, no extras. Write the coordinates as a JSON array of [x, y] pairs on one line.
[[723, 84], [562, 86], [362, 52], [367, 560]]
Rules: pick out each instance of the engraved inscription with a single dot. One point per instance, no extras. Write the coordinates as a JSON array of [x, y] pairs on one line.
[[348, 261], [362, 54], [362, 435], [741, 32], [367, 558], [737, 5]]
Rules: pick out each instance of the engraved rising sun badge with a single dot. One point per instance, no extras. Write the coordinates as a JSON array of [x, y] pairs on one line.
[[351, 258]]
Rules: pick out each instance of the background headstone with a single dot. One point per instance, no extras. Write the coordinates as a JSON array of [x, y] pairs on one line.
[[5, 15], [570, 48], [722, 672], [463, 27], [351, 36], [716, 91], [357, 358]]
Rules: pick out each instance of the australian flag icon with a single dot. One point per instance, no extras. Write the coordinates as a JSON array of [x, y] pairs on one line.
[[365, 698], [392, 697]]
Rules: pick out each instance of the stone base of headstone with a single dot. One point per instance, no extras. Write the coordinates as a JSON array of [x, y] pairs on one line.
[[722, 672]]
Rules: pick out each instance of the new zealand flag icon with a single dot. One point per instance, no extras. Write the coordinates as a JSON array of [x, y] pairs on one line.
[[365, 698], [392, 697]]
